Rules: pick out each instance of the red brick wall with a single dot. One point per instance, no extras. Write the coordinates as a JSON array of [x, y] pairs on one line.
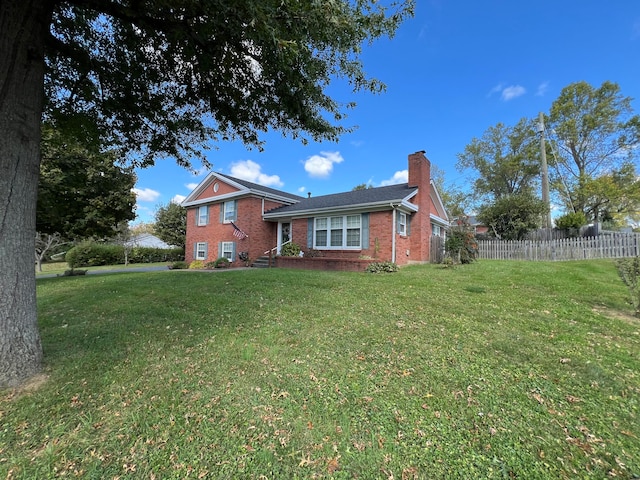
[[324, 263], [223, 188], [261, 234], [380, 240]]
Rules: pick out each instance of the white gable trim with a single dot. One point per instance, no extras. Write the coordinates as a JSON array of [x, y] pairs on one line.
[[192, 199], [437, 201]]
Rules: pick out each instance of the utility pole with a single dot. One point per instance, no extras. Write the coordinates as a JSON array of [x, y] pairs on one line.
[[545, 172]]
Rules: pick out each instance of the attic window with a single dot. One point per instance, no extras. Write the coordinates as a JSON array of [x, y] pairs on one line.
[[216, 186]]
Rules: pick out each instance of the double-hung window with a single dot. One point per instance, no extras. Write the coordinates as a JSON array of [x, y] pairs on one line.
[[229, 209], [201, 251], [203, 215], [338, 232], [227, 250], [402, 223]]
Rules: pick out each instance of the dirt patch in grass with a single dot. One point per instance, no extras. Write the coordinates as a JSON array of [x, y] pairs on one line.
[[31, 385], [616, 315]]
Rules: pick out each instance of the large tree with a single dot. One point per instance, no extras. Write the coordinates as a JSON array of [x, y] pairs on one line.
[[596, 133], [511, 217], [158, 78], [82, 192], [171, 224], [505, 160]]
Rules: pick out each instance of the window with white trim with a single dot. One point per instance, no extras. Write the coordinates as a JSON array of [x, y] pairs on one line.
[[201, 251], [226, 250], [402, 223], [229, 211], [435, 229], [339, 232], [203, 215]]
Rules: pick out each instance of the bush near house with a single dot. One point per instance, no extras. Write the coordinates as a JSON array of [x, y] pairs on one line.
[[290, 250], [461, 245]]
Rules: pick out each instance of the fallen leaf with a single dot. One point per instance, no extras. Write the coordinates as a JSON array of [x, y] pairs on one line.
[[333, 465]]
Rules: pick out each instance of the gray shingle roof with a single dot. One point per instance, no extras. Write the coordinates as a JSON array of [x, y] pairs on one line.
[[261, 188], [380, 195]]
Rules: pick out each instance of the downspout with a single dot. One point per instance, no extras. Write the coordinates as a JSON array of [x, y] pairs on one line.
[[393, 234]]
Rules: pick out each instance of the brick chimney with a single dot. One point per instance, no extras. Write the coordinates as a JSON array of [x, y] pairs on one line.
[[419, 170], [420, 177]]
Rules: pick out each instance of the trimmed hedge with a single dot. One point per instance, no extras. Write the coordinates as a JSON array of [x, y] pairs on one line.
[[92, 254]]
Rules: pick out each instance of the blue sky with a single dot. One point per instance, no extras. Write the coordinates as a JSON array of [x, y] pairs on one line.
[[452, 71]]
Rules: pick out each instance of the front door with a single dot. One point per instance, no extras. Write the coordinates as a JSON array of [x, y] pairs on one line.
[[284, 234]]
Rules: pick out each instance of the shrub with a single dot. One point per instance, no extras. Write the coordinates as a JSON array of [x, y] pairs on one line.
[[571, 220], [290, 250], [447, 262], [153, 255], [461, 245], [196, 265], [222, 262], [210, 265], [313, 253], [179, 265], [382, 267], [92, 254], [629, 271]]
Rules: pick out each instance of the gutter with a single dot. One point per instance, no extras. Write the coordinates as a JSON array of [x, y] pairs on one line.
[[393, 233]]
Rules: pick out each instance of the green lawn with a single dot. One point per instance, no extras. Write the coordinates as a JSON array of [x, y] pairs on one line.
[[491, 370]]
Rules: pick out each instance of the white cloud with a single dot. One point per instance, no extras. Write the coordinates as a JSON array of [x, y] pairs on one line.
[[401, 176], [191, 186], [252, 172], [497, 89], [542, 89], [513, 91], [302, 189], [146, 194], [321, 166], [178, 199], [198, 172]]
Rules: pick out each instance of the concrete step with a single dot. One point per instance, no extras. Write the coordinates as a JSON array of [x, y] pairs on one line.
[[263, 262]]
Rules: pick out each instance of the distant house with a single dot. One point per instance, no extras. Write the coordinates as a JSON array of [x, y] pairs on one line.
[[478, 227], [148, 240], [227, 215]]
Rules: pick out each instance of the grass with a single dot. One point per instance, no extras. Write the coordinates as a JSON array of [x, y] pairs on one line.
[[492, 370]]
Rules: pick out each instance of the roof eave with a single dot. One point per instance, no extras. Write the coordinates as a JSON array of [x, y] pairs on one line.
[[362, 207]]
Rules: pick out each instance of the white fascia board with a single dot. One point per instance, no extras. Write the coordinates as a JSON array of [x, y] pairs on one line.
[[360, 208], [439, 220], [217, 198], [229, 196]]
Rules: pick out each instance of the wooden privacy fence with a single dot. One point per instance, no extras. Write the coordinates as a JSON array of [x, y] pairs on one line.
[[436, 249], [581, 248]]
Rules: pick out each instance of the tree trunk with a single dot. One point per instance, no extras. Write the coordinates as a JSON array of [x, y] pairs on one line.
[[23, 29]]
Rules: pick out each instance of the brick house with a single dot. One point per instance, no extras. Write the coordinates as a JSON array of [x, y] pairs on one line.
[[226, 216]]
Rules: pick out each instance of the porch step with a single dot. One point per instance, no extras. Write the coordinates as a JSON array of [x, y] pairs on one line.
[[263, 262]]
